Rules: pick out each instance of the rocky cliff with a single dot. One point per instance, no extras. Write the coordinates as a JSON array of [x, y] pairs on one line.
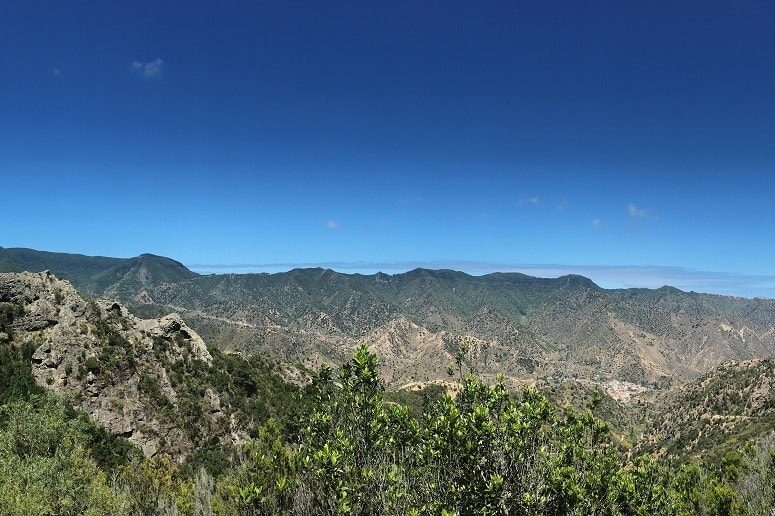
[[138, 378]]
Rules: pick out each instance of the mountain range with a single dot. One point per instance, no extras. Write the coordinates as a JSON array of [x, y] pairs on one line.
[[417, 322]]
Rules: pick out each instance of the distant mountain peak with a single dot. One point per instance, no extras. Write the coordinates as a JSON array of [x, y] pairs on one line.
[[147, 258], [578, 280], [670, 289], [436, 273], [136, 273]]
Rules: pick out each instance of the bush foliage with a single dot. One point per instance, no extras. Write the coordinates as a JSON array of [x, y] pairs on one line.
[[345, 448]]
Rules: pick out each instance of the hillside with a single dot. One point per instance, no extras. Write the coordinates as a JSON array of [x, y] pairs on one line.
[[522, 326], [152, 381], [76, 268], [136, 274], [730, 405]]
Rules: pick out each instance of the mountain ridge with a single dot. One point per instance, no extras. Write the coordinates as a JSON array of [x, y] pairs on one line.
[[43, 260], [523, 326]]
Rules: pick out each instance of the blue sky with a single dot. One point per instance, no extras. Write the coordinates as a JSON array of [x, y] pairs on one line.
[[563, 136]]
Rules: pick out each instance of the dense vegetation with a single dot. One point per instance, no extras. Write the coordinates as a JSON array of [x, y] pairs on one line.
[[339, 446]]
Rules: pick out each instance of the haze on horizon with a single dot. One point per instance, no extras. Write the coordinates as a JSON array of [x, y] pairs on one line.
[[631, 143]]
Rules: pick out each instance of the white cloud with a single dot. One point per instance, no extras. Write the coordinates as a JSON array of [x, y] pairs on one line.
[[150, 70], [332, 224], [641, 213], [596, 223], [563, 205]]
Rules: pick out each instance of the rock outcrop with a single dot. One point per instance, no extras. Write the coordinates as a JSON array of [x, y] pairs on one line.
[[116, 367]]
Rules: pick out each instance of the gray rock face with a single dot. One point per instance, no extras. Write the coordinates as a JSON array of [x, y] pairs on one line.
[[171, 328], [98, 355]]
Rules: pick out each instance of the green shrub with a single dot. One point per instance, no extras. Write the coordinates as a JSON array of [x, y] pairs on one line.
[[45, 465], [9, 312], [92, 364], [16, 380]]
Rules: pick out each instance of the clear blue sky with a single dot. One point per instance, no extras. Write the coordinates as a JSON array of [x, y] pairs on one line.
[[590, 133]]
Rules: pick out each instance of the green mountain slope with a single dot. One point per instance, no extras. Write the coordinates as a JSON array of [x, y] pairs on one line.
[[730, 405], [76, 268], [136, 274]]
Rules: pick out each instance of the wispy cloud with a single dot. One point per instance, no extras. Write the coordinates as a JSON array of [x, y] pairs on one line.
[[596, 223], [150, 70], [641, 213], [332, 224], [748, 285], [56, 71], [563, 205], [529, 201]]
